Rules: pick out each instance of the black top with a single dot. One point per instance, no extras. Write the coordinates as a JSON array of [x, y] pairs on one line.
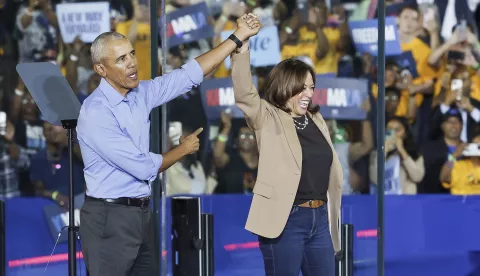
[[316, 162]]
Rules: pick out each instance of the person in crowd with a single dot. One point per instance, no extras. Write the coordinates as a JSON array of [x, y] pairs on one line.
[[49, 171], [78, 72], [456, 59], [420, 88], [298, 167], [29, 128], [400, 144], [137, 31], [320, 38], [187, 175], [456, 93], [462, 177], [409, 26], [236, 167], [399, 101], [29, 136], [13, 160], [350, 151], [36, 24], [437, 152], [113, 134]]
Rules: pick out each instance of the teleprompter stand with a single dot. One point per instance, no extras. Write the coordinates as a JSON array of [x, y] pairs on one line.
[[59, 106]]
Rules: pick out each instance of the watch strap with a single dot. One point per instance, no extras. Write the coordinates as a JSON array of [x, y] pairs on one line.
[[236, 40]]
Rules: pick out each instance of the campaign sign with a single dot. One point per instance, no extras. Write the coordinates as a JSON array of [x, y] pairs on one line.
[[392, 176], [187, 24], [57, 218], [341, 98], [86, 20], [365, 36], [217, 95], [264, 47], [406, 61]]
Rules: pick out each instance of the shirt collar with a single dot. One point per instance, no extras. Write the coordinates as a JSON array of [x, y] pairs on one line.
[[113, 96]]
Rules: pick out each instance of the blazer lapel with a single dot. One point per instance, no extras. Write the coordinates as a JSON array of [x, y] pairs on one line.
[[292, 137]]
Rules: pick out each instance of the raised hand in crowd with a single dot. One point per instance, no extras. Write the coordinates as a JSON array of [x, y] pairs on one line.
[[459, 150], [226, 119], [470, 59], [450, 97], [465, 104]]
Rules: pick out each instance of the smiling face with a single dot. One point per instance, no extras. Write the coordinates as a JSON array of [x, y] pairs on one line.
[[119, 65], [298, 104]]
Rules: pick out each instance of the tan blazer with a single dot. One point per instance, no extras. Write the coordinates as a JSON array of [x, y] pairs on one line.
[[280, 161]]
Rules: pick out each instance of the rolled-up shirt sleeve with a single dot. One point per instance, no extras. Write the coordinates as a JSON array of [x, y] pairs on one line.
[[118, 150], [169, 86]]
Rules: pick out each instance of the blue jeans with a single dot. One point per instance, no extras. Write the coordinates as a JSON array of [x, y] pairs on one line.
[[304, 245]]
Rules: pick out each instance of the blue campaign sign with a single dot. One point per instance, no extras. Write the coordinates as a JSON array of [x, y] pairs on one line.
[[264, 47], [406, 61], [187, 24], [365, 36], [341, 98], [217, 95]]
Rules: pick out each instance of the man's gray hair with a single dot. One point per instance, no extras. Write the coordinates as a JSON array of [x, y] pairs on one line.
[[97, 49]]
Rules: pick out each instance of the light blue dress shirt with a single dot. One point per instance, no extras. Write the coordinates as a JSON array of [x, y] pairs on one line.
[[114, 133]]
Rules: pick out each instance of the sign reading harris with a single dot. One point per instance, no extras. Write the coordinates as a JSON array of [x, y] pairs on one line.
[[264, 47], [86, 20], [217, 95], [341, 98], [365, 36], [187, 25]]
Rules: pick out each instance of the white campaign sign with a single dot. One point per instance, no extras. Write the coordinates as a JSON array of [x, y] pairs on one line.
[[264, 47], [87, 20]]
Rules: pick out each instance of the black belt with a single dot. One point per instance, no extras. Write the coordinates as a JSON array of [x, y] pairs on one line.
[[142, 202]]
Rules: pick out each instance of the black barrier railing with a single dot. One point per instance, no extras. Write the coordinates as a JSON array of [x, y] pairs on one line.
[[207, 250], [344, 261], [192, 238], [3, 257]]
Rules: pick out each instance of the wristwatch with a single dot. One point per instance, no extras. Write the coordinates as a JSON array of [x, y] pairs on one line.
[[236, 40]]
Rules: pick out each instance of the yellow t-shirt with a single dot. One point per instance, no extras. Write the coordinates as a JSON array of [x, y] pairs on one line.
[[329, 63], [307, 46], [402, 108], [141, 46], [420, 52], [222, 71], [465, 178]]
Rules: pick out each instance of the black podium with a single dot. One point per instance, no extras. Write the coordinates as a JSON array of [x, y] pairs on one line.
[[59, 106]]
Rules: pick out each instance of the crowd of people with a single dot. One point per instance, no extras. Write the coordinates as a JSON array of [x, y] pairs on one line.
[[432, 115]]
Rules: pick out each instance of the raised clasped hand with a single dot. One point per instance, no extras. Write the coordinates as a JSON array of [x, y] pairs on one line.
[[248, 25]]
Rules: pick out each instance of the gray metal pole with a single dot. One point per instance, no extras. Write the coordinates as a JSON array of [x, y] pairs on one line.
[[381, 137], [164, 128], [155, 125], [3, 257]]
